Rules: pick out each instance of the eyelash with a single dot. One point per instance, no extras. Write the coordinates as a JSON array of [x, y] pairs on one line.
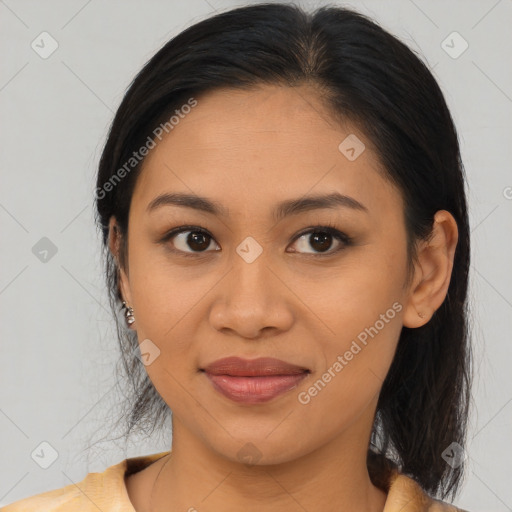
[[320, 228]]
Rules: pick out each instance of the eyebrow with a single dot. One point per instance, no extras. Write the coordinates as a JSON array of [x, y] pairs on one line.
[[283, 209]]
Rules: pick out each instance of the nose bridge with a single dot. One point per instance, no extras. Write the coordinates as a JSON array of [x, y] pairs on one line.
[[250, 273], [251, 299]]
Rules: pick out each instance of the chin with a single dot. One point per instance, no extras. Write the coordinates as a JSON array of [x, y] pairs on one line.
[[260, 450]]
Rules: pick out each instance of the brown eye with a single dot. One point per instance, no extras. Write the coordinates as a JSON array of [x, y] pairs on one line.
[[197, 241], [321, 239], [190, 240]]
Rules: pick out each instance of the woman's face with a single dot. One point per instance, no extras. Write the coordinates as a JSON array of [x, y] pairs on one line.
[[251, 287]]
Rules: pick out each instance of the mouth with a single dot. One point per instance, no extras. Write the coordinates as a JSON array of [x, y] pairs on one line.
[[253, 381]]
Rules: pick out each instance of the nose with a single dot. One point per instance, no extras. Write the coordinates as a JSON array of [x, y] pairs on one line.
[[252, 301]]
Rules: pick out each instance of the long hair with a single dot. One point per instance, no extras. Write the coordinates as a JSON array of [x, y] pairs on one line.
[[368, 77]]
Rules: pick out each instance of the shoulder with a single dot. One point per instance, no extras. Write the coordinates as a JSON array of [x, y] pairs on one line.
[[105, 491], [58, 500], [407, 495], [97, 491]]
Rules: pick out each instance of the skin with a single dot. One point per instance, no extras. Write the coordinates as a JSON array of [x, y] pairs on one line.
[[249, 150]]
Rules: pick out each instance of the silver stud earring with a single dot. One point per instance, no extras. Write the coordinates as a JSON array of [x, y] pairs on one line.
[[128, 314]]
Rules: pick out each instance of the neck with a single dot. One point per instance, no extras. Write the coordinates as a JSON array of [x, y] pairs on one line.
[[332, 478]]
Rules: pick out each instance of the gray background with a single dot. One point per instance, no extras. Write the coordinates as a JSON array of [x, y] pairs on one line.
[[58, 350]]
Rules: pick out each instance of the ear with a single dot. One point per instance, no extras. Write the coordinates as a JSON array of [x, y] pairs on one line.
[[432, 272], [114, 243]]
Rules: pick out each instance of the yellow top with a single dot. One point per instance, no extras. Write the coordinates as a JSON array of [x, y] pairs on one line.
[[107, 492]]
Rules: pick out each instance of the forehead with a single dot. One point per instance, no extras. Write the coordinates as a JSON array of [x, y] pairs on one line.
[[253, 146], [273, 115]]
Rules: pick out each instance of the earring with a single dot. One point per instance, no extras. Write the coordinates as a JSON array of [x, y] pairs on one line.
[[128, 314], [421, 315]]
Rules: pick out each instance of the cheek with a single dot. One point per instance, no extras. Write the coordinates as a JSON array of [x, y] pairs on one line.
[[355, 366], [163, 293], [353, 296], [161, 303], [362, 306], [164, 299]]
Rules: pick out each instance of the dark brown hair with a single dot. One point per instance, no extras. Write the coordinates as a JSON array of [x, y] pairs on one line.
[[373, 80]]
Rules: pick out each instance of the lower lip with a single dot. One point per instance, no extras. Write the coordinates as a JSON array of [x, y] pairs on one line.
[[254, 390]]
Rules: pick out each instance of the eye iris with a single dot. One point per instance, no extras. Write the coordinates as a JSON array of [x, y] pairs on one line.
[[324, 240], [198, 241]]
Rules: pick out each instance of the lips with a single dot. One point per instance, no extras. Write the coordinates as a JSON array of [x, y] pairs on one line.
[[238, 367], [254, 381]]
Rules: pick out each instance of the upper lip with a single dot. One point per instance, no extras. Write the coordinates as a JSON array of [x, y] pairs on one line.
[[239, 367]]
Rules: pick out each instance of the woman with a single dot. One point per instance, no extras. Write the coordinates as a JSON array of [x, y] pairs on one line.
[[282, 201]]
